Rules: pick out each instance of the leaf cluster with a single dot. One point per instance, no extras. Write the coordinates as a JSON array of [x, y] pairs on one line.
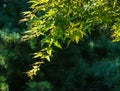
[[68, 21]]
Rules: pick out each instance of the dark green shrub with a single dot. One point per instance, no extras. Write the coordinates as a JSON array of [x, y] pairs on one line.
[[39, 86]]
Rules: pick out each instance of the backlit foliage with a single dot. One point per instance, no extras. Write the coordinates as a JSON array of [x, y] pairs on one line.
[[68, 21]]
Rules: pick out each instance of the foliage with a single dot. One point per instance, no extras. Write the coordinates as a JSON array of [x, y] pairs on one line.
[[9, 55], [9, 37], [84, 67], [67, 20], [3, 84], [75, 35], [95, 77], [13, 59], [39, 86], [10, 13]]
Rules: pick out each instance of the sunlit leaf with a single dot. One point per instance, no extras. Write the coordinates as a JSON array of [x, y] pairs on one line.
[[48, 58], [69, 21], [57, 44], [77, 39]]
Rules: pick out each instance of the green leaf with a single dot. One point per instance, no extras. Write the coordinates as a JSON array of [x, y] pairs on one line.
[[77, 39], [71, 23], [49, 51], [39, 54], [57, 44], [48, 58]]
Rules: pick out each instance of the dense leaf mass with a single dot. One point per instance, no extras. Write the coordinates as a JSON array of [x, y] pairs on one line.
[[69, 21], [59, 45]]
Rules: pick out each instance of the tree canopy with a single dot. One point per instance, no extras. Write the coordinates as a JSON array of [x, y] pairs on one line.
[[53, 21], [77, 40]]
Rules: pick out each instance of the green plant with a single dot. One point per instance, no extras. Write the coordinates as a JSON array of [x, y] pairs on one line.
[[3, 84], [68, 21], [39, 86]]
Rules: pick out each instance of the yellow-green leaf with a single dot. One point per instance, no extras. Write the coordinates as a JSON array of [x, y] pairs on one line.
[[48, 58], [57, 44], [77, 39]]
